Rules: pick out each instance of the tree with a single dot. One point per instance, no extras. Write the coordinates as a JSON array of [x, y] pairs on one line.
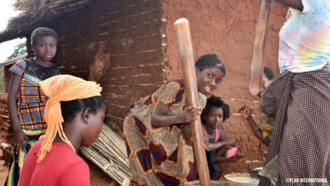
[[20, 49]]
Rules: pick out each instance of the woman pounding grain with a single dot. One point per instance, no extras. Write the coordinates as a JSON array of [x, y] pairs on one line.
[[300, 97], [157, 129]]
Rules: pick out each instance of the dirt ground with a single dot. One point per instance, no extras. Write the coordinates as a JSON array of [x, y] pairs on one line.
[[98, 177], [3, 169]]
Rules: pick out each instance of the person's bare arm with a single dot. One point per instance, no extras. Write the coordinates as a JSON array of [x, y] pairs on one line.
[[246, 113], [187, 134], [256, 131], [225, 159], [159, 117], [240, 154], [186, 131], [296, 4], [217, 145], [19, 136]]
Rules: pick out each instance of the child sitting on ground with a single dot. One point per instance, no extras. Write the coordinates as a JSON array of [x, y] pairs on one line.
[[74, 114], [264, 135], [214, 113]]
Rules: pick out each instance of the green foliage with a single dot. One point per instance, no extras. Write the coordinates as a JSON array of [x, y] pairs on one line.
[[20, 49]]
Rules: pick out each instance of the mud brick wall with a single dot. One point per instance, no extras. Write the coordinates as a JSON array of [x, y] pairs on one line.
[[6, 78], [226, 28], [131, 32], [5, 124]]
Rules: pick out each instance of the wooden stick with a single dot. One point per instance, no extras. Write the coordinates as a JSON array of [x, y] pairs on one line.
[[260, 46], [189, 73]]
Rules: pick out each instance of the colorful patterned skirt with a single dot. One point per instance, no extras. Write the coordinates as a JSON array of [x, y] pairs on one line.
[[17, 160], [30, 117], [157, 155], [301, 103]]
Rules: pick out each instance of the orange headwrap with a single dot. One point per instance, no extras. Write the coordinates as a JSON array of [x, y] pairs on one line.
[[61, 88]]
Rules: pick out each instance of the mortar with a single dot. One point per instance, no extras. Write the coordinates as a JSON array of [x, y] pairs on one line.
[[254, 168], [241, 179], [213, 183]]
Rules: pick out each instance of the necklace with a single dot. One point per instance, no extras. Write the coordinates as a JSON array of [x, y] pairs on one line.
[[217, 134]]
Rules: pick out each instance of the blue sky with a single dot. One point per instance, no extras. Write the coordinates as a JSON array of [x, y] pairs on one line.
[[6, 12]]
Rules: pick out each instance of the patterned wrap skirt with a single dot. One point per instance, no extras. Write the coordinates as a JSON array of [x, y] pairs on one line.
[[159, 155], [301, 135]]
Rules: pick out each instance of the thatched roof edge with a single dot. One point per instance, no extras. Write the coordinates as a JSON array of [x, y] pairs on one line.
[[12, 61], [36, 11], [32, 10]]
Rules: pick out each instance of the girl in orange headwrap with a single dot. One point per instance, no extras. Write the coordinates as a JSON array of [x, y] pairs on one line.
[[74, 114]]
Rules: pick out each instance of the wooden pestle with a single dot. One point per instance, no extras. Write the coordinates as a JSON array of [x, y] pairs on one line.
[[182, 30], [259, 47]]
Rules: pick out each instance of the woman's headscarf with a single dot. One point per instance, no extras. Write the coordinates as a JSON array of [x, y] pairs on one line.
[[62, 88]]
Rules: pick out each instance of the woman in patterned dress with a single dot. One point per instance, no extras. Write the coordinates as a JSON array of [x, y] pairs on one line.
[[157, 138]]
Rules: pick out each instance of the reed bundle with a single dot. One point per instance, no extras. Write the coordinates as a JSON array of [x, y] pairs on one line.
[[109, 154]]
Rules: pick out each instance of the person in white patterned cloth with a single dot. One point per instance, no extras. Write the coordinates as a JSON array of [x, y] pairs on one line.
[[300, 99]]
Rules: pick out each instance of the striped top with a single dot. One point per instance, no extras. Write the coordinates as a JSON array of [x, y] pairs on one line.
[[32, 100]]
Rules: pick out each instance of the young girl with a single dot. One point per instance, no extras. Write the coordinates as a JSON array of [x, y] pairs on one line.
[[157, 142], [74, 114], [214, 113], [28, 120]]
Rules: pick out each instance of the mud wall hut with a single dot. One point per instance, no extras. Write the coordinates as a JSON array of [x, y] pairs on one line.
[[139, 37], [227, 28]]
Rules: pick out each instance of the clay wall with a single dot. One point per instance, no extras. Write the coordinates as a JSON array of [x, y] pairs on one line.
[[6, 78], [226, 28], [5, 132], [142, 48], [131, 32]]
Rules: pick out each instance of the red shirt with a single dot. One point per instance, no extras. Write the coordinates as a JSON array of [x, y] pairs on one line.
[[61, 166]]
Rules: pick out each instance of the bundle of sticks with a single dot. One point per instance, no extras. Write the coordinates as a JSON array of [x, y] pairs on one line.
[[109, 154]]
